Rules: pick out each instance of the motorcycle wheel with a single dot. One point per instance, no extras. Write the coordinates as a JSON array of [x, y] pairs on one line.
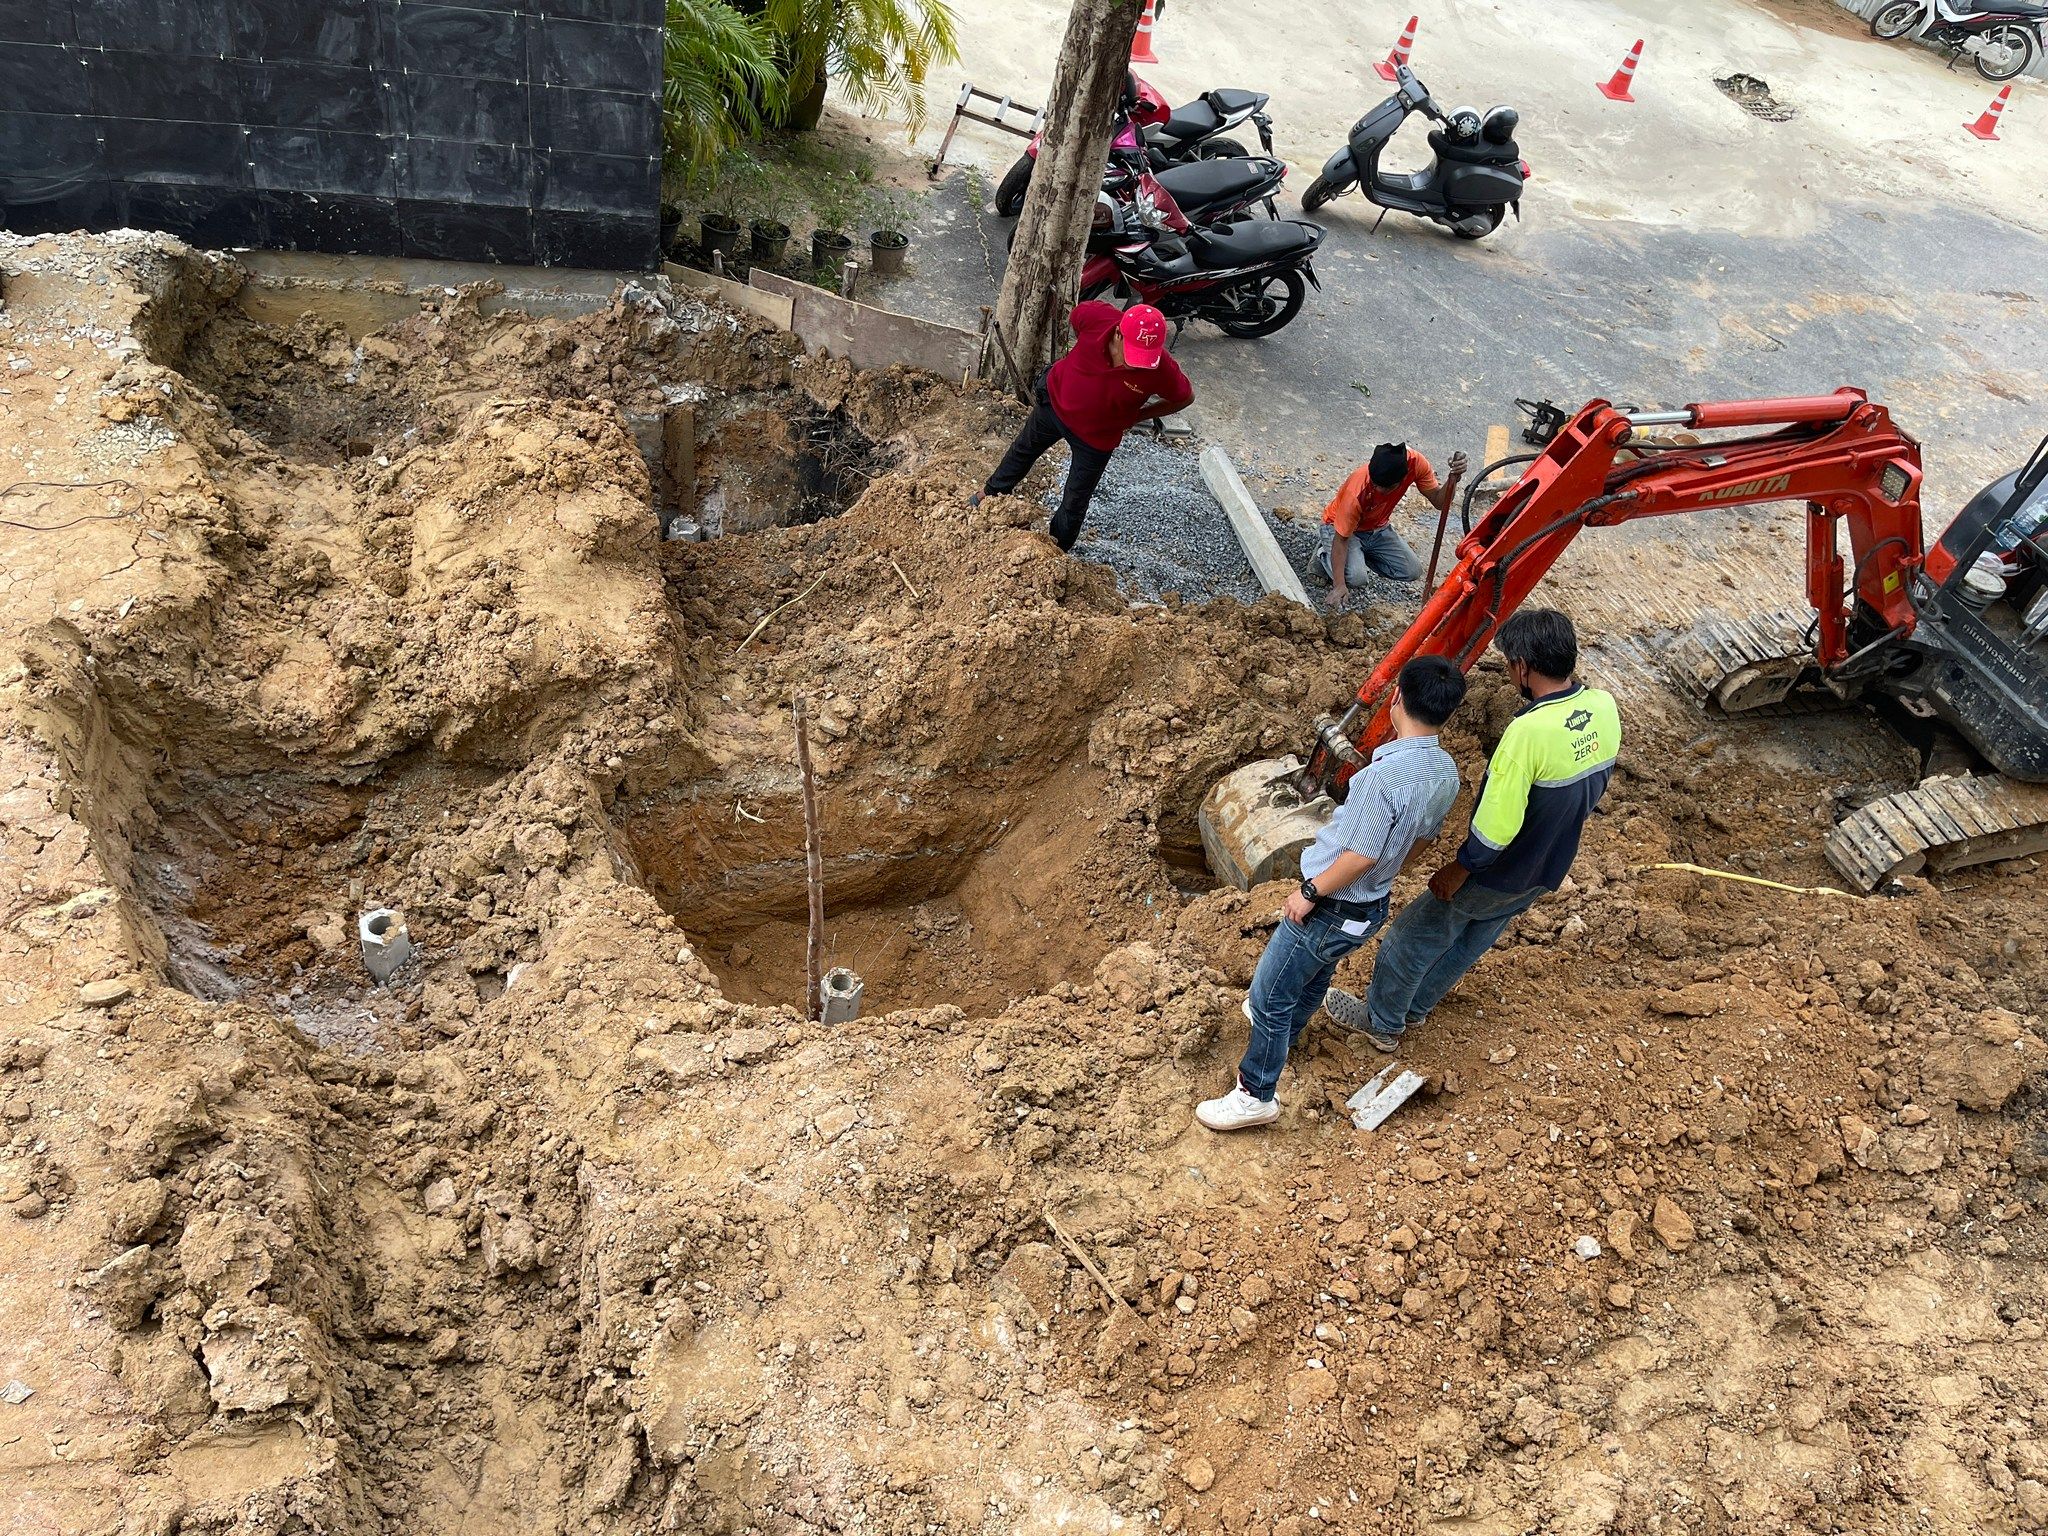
[[1220, 149], [1319, 192], [1493, 217], [1257, 296], [1010, 191], [1896, 19], [2005, 51]]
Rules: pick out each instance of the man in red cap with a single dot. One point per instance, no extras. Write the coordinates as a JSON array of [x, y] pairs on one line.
[[1117, 375]]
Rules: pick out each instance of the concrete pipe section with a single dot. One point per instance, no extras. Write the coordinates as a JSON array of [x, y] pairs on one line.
[[839, 996], [386, 944]]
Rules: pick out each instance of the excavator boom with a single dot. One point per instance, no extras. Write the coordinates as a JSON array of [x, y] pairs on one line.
[[1839, 454]]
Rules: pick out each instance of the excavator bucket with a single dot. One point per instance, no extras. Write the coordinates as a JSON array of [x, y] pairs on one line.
[[1254, 822]]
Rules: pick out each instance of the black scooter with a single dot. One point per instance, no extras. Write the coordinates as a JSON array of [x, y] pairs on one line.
[[1477, 175]]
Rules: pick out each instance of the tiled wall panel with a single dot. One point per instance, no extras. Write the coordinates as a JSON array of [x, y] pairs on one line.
[[494, 130]]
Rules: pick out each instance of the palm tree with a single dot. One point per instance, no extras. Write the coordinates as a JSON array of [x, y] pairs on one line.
[[722, 79], [880, 49]]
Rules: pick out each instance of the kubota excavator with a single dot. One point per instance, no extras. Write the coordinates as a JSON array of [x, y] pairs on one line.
[[1953, 639]]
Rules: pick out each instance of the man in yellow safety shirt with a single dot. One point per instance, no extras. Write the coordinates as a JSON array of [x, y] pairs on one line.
[[1549, 771]]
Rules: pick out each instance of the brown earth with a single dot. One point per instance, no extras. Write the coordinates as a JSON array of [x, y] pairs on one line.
[[581, 1227]]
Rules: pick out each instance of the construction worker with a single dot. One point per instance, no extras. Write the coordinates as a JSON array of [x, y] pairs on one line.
[[1549, 771], [1358, 531], [1396, 801], [1117, 375]]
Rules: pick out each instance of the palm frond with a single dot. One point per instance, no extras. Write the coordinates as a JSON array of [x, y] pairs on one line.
[[722, 79]]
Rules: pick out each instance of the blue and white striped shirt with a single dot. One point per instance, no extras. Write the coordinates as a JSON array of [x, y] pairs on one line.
[[1397, 800]]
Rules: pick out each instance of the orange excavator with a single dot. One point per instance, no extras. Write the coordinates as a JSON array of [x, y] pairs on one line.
[[1951, 642]]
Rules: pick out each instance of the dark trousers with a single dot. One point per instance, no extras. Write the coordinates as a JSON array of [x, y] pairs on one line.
[[1041, 429]]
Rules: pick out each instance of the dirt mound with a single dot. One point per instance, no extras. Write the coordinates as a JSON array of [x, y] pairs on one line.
[[579, 1225]]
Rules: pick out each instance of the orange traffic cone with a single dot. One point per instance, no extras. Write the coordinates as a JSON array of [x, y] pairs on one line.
[[1141, 45], [1986, 126], [1617, 88], [1386, 67]]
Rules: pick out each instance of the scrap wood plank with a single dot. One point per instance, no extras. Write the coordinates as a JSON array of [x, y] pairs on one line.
[[1249, 523]]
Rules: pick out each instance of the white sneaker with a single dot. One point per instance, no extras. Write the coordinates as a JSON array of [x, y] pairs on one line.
[[1237, 1111], [1245, 1008]]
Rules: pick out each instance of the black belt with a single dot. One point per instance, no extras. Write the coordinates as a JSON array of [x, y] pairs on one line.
[[1353, 911]]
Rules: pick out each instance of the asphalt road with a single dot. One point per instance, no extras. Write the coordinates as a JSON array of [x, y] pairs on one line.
[[1940, 314]]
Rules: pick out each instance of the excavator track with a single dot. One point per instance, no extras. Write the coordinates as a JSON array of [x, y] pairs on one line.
[[1940, 824], [1752, 664]]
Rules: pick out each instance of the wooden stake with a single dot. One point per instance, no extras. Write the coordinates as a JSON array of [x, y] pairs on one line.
[[814, 867]]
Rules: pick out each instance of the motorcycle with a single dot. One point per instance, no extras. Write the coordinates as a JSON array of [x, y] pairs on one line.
[[1477, 175], [1170, 138], [1247, 278], [2002, 39], [1213, 192]]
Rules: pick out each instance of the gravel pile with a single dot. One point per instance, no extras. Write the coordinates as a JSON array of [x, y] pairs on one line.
[[1154, 523]]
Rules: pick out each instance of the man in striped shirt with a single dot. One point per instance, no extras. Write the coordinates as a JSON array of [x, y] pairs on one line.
[[1396, 801], [1552, 766]]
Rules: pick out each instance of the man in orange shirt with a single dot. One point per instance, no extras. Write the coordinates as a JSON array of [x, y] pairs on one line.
[[1357, 525]]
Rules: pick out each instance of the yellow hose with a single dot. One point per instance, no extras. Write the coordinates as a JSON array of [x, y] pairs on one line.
[[1729, 874]]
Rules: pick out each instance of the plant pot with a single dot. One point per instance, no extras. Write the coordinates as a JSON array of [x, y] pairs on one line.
[[771, 242], [720, 232], [886, 249], [829, 248], [671, 225]]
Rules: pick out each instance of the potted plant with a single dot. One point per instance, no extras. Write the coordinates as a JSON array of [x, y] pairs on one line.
[[888, 244], [671, 224], [834, 206], [719, 228], [770, 234], [720, 225]]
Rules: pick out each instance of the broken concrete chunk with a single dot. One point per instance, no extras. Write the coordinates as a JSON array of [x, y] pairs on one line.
[[1030, 1283], [747, 1045], [510, 1248]]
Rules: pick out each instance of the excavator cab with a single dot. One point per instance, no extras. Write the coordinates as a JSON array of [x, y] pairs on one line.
[[1980, 647]]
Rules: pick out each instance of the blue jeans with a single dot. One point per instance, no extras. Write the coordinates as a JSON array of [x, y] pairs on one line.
[[1288, 988], [1431, 945], [1372, 549]]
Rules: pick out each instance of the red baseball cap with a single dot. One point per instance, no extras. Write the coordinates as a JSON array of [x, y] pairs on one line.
[[1143, 329]]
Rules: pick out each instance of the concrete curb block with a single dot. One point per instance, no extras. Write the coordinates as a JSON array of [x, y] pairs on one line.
[[1249, 524]]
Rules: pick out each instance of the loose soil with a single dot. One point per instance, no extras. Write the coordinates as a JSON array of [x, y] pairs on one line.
[[580, 1225]]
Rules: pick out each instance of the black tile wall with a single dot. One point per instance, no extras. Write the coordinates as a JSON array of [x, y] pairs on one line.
[[36, 21], [497, 130]]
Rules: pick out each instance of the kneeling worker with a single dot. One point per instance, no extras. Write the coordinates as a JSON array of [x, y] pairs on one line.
[[1358, 531], [1117, 375], [1397, 800]]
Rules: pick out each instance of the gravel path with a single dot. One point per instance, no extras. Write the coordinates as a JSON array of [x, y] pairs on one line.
[[1155, 524]]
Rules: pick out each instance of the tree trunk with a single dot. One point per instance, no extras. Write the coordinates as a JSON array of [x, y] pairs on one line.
[[1045, 263]]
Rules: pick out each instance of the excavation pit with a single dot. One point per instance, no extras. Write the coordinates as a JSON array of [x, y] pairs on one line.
[[265, 889], [770, 461], [972, 906]]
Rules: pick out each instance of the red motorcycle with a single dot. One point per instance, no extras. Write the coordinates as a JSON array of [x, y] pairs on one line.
[[1189, 136], [1247, 278]]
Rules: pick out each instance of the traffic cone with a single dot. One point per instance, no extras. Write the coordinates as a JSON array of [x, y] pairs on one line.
[[1141, 45], [1617, 88], [1385, 68], [1986, 126]]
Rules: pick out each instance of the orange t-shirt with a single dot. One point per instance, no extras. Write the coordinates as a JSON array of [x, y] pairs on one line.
[[1362, 506]]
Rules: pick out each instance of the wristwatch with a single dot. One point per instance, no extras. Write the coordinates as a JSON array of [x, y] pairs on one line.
[[1309, 892]]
